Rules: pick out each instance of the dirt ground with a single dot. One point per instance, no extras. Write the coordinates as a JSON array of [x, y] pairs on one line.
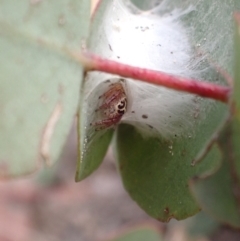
[[52, 206]]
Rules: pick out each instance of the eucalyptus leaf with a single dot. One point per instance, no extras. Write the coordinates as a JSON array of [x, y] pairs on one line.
[[217, 194], [92, 154], [236, 90], [156, 179], [236, 102], [164, 131], [201, 225], [39, 81]]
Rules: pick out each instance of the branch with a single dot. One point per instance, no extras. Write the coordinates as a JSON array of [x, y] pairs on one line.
[[205, 89]]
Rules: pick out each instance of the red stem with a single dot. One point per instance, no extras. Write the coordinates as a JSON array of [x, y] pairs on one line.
[[204, 89]]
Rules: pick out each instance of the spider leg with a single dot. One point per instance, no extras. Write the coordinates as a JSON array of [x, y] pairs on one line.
[[105, 123], [109, 98]]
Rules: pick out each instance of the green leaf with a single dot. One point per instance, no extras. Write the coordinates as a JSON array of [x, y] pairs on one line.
[[156, 171], [236, 101], [93, 144], [236, 90], [216, 194], [200, 225], [140, 234], [92, 153], [169, 130], [156, 179], [233, 148], [40, 82]]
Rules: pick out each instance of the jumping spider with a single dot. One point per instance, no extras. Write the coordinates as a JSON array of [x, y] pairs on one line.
[[113, 106]]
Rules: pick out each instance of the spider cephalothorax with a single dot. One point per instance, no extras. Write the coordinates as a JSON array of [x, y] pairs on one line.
[[113, 106]]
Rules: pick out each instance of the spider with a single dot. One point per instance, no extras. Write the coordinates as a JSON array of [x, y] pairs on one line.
[[113, 107]]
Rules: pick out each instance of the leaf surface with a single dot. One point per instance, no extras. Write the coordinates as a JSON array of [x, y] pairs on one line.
[[39, 81]]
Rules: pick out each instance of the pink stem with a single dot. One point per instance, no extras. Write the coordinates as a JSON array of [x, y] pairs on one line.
[[204, 89]]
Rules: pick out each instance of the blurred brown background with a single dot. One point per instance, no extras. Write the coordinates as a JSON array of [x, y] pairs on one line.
[[51, 206]]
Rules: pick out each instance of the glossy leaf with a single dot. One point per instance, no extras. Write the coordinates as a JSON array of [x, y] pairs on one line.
[[40, 83], [156, 171], [155, 178], [170, 108], [167, 130]]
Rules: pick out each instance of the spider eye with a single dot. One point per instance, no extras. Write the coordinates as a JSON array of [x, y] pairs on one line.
[[121, 107], [122, 104], [121, 112]]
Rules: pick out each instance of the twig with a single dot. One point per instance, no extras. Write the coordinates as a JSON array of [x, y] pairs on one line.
[[204, 89]]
